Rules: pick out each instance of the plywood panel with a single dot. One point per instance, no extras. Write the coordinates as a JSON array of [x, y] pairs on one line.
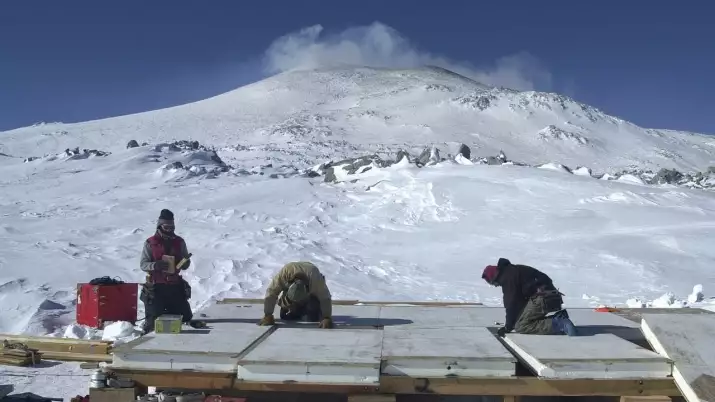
[[440, 352], [215, 349], [598, 357], [348, 356], [688, 341]]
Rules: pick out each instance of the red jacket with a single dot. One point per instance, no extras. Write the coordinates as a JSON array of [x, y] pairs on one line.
[[176, 249]]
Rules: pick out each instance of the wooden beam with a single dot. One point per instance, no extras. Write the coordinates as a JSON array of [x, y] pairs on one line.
[[527, 386], [645, 399], [178, 379], [514, 386], [308, 388], [50, 344], [354, 302], [76, 357]]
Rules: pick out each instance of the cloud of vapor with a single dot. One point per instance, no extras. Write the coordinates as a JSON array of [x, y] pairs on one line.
[[378, 45]]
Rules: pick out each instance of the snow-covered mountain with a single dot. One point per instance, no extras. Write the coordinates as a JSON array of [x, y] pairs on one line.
[[301, 116], [237, 183]]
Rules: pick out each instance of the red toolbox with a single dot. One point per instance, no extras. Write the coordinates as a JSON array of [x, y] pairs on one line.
[[97, 304]]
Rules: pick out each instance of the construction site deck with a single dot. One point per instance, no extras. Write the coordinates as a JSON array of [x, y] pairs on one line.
[[391, 350]]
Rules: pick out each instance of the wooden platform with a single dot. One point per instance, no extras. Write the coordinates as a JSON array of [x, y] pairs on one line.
[[425, 349], [688, 341]]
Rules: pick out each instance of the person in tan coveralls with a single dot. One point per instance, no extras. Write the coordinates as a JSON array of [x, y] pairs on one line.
[[300, 290]]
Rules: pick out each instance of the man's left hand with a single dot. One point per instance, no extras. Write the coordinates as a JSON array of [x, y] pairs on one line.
[[501, 332], [326, 323]]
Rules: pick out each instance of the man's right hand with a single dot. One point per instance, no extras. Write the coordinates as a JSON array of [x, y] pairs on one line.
[[161, 265], [267, 320]]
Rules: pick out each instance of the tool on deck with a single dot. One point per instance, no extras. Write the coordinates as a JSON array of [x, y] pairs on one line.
[[606, 309]]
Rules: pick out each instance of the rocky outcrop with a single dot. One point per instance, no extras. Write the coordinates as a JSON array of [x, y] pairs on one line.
[[334, 171], [429, 156], [132, 144], [551, 132], [464, 151]]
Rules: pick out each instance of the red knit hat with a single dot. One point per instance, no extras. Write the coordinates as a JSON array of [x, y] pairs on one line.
[[490, 273]]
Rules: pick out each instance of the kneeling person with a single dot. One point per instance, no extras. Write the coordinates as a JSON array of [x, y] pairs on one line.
[[300, 291], [532, 302]]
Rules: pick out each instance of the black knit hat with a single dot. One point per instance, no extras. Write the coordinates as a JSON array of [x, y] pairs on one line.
[[166, 215]]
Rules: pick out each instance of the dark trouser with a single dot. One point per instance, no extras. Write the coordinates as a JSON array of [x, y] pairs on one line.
[[533, 319], [162, 298], [308, 312]]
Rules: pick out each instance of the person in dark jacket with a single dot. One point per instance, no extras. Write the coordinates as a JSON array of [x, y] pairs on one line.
[[164, 292], [532, 302]]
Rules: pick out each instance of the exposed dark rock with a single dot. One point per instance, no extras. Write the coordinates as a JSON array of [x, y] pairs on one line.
[[403, 154], [670, 176], [353, 166], [132, 144], [493, 160], [175, 165], [464, 151], [429, 156]]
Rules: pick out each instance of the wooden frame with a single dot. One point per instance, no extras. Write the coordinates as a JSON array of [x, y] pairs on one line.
[[61, 345], [516, 386]]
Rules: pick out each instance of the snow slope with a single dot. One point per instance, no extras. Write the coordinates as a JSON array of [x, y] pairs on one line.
[[299, 116], [416, 233]]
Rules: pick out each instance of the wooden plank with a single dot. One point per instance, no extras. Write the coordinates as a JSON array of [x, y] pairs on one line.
[[687, 340], [113, 394], [645, 399], [526, 386], [519, 386], [186, 379], [600, 356], [77, 357], [46, 343]]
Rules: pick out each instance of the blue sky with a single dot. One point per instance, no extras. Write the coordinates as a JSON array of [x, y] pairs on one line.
[[647, 62]]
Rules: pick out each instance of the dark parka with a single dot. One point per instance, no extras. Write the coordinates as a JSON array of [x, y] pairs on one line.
[[519, 283]]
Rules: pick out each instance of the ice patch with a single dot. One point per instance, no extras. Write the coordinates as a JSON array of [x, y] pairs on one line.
[[583, 171], [697, 295], [555, 166], [631, 179], [119, 332]]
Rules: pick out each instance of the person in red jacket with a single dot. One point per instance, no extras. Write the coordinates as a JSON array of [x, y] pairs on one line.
[[164, 292], [533, 304]]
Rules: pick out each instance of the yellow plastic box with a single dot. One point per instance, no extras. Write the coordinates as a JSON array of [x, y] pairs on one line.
[[168, 324]]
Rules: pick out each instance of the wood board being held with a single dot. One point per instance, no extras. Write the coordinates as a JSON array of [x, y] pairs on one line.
[[688, 341]]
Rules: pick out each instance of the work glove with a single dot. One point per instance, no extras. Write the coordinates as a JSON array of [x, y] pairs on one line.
[[267, 320], [161, 265], [326, 323], [501, 331]]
